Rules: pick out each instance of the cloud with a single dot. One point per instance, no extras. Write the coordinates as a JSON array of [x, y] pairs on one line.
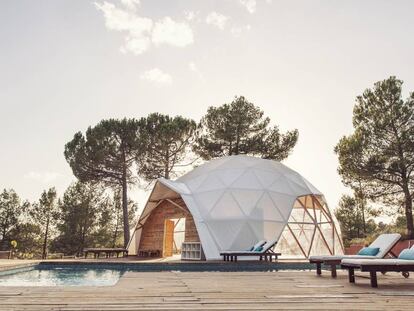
[[173, 33], [43, 177], [216, 19], [194, 68], [250, 5], [190, 15], [157, 76], [237, 31], [131, 4], [140, 32]]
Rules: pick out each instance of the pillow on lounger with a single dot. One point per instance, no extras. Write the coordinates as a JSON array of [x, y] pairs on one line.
[[407, 254], [258, 249], [369, 251]]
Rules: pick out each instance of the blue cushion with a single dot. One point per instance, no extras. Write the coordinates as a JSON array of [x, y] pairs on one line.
[[407, 254], [369, 251], [258, 249]]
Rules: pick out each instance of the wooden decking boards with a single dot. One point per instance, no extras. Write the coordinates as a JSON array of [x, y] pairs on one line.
[[284, 290]]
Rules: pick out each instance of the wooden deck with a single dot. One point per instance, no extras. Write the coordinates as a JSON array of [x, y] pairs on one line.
[[282, 290]]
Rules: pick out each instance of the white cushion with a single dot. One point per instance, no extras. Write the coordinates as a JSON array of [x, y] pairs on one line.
[[392, 262], [385, 242], [268, 245]]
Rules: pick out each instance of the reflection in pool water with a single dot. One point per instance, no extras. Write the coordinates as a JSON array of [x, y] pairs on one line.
[[67, 276]]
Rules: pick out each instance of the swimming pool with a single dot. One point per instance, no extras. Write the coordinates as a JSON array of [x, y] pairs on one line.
[[65, 275], [108, 274]]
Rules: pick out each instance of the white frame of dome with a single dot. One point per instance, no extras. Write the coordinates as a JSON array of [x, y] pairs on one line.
[[236, 201]]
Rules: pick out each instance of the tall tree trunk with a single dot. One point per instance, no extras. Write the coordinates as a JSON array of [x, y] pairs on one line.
[[409, 212], [166, 166], [125, 206], [45, 240], [364, 227], [116, 228]]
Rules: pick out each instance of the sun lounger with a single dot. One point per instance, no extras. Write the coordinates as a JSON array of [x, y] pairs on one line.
[[266, 253], [377, 265], [385, 242]]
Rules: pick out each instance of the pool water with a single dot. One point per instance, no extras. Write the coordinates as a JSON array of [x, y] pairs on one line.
[[108, 274], [60, 276]]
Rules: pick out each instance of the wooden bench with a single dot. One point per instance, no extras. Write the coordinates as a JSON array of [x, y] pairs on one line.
[[149, 253], [107, 251], [5, 254]]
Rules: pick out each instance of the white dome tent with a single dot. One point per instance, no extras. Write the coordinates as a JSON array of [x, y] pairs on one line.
[[236, 201]]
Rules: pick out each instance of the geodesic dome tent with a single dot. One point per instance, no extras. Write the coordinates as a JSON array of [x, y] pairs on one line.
[[236, 201]]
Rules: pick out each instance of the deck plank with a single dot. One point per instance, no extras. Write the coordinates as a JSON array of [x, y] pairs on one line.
[[283, 290]]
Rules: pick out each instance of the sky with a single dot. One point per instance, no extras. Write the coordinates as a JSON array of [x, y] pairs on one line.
[[67, 64]]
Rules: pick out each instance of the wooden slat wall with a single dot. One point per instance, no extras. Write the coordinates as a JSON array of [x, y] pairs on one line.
[[152, 236]]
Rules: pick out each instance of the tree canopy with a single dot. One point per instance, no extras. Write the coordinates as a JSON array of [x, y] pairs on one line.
[[380, 152], [355, 219], [82, 213], [107, 154], [241, 128], [44, 213], [170, 140], [11, 209]]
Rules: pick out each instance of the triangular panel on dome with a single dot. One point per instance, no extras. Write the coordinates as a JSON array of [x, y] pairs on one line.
[[281, 186], [245, 238], [212, 182], [235, 162], [207, 200], [288, 246], [247, 199], [247, 180], [225, 232], [266, 210], [228, 176], [226, 208], [195, 183], [320, 245], [298, 186], [267, 230], [300, 215], [266, 178], [283, 202]]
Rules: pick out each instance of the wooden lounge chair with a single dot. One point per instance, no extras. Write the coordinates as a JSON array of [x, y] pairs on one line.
[[107, 251], [377, 265], [385, 242], [266, 253]]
